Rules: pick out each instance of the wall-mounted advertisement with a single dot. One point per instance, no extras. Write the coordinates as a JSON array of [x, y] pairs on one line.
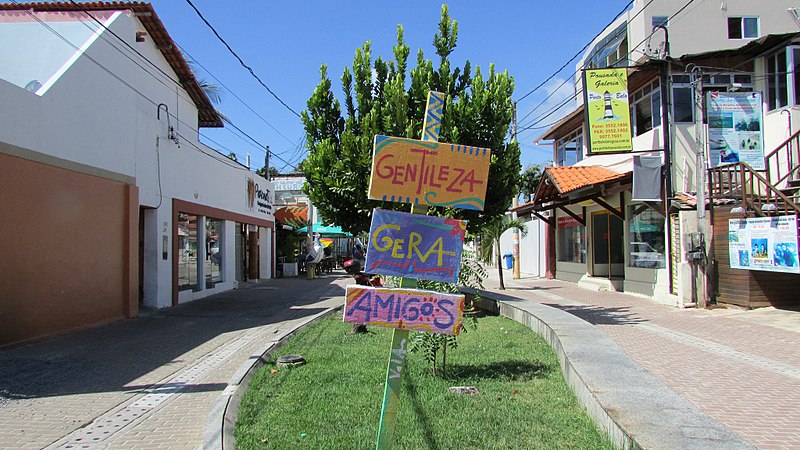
[[735, 131], [608, 113], [764, 243]]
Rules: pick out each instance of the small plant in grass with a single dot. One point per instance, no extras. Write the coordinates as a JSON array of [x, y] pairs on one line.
[[432, 345]]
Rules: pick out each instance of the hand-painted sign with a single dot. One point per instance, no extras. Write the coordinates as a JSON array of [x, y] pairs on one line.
[[429, 173], [415, 246], [406, 309], [607, 110]]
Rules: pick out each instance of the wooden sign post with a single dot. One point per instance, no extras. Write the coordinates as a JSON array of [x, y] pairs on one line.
[[421, 173]]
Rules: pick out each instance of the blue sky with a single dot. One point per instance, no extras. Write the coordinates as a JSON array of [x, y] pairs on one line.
[[286, 42]]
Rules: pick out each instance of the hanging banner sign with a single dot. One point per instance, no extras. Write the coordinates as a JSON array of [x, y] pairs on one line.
[[429, 173], [406, 309], [764, 243], [415, 246], [605, 94], [735, 128]]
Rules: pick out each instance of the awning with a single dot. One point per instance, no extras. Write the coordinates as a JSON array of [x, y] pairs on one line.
[[568, 185], [295, 216], [325, 230]]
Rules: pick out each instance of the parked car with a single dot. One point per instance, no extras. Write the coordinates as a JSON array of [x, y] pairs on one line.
[[644, 255]]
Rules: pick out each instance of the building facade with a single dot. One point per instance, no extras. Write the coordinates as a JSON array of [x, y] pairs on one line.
[[111, 201], [603, 234]]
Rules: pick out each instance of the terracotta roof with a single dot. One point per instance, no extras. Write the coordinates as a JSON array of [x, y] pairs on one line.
[[560, 180], [207, 116], [687, 200]]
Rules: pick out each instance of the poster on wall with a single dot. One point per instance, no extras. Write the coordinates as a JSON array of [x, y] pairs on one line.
[[608, 115], [764, 243], [735, 128]]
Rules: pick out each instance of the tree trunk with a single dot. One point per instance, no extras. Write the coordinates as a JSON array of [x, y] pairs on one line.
[[499, 265]]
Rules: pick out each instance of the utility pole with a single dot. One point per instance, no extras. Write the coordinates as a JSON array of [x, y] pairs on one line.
[[700, 181], [266, 164], [515, 235]]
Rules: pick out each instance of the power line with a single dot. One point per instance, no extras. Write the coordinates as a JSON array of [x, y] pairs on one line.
[[249, 69], [576, 54]]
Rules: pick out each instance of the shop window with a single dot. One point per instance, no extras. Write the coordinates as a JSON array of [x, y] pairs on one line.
[[646, 243], [187, 251], [742, 27], [570, 149], [571, 237], [783, 84], [214, 249]]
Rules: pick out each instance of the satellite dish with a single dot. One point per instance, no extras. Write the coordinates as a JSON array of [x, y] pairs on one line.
[[33, 86]]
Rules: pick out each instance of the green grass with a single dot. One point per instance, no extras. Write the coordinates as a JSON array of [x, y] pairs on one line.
[[334, 401]]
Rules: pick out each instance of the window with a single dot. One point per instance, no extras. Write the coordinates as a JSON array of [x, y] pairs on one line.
[[214, 250], [742, 27], [660, 21], [570, 149], [187, 251], [646, 238], [683, 91], [571, 237], [611, 51], [783, 84], [646, 108]]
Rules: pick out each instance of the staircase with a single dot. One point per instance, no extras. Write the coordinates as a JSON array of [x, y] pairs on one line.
[[776, 192]]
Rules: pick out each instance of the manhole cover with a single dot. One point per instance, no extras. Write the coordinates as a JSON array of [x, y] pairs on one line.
[[291, 360]]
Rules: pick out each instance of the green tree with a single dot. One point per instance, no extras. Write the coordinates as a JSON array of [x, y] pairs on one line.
[[490, 240], [377, 100], [529, 180]]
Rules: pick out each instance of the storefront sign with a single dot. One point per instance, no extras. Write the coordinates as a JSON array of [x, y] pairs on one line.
[[605, 94], [764, 243], [259, 197], [735, 128], [416, 246], [568, 221], [429, 173], [407, 309]]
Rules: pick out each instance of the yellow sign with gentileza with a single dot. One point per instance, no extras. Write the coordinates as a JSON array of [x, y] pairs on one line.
[[607, 109]]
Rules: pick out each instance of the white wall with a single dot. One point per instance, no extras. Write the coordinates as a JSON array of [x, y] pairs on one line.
[[532, 250], [107, 118]]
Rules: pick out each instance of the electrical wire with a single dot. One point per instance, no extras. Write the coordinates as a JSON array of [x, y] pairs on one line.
[[249, 69]]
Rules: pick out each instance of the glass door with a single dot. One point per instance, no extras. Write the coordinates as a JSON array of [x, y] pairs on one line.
[[608, 246]]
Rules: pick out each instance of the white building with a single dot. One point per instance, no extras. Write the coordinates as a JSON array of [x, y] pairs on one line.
[[599, 236], [110, 200]]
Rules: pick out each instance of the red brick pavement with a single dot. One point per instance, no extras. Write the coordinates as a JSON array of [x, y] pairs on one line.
[[740, 367]]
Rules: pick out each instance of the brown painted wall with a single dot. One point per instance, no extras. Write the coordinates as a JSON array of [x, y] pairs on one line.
[[68, 258], [748, 288]]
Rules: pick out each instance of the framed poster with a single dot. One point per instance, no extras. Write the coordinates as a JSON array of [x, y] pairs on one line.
[[735, 128], [764, 243], [608, 114]]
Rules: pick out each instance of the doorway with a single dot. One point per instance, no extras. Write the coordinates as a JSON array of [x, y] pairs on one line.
[[608, 246]]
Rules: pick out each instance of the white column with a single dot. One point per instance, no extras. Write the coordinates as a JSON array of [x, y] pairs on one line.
[[201, 253], [264, 252], [158, 257]]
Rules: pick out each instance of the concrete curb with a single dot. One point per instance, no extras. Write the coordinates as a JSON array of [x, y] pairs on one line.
[[221, 421], [634, 408]]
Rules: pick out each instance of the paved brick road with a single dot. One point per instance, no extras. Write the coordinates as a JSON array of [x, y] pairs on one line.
[[740, 367], [147, 382]]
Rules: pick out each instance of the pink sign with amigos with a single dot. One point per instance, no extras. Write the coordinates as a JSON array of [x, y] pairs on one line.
[[407, 309]]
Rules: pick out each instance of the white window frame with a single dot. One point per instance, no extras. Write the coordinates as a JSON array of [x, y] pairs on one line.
[[742, 27], [743, 82], [640, 96], [576, 137], [790, 75]]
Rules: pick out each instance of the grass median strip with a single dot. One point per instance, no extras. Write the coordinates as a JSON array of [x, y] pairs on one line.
[[333, 401]]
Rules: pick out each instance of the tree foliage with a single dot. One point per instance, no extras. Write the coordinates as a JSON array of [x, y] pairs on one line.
[[529, 180], [385, 97], [490, 239]]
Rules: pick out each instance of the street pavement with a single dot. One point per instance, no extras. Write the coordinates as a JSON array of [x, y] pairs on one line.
[[740, 367], [150, 382]]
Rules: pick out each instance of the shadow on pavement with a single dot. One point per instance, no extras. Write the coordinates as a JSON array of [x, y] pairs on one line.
[[109, 358], [599, 315]]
